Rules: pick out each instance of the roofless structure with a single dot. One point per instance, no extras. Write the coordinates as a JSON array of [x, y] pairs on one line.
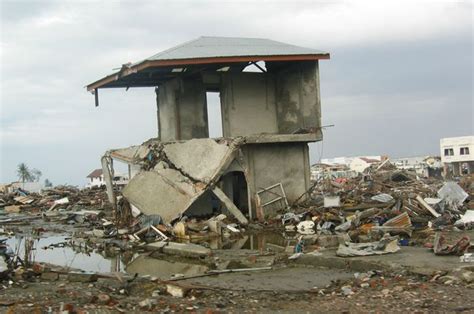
[[261, 163]]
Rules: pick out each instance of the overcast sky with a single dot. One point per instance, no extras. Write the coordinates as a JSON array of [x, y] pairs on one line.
[[400, 75]]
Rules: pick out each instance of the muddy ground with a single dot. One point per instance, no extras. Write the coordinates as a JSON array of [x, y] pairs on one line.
[[385, 293], [288, 287]]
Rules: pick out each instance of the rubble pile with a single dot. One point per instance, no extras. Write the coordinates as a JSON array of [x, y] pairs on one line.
[[58, 198], [383, 202]]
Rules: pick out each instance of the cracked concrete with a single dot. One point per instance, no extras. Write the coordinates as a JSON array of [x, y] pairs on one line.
[[184, 171]]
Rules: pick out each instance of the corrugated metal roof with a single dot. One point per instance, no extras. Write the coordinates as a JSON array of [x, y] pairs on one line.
[[211, 47], [208, 50]]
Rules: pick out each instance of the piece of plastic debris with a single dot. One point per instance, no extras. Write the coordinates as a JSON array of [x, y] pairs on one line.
[[306, 227], [382, 197], [467, 258], [453, 194]]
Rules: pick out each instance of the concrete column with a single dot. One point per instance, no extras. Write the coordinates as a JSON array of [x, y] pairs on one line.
[[107, 170]]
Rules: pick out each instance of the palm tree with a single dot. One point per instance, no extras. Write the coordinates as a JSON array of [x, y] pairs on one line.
[[24, 173], [36, 174]]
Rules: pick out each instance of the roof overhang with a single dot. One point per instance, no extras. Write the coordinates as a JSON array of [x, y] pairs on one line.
[[108, 81]]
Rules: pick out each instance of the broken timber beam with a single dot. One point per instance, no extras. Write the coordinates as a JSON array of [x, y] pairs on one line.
[[427, 206], [230, 205]]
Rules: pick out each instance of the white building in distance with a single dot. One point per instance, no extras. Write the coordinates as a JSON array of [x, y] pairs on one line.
[[96, 179], [425, 166], [457, 155]]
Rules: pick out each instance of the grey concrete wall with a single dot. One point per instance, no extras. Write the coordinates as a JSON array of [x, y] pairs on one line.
[[182, 109], [168, 115], [269, 164], [248, 104], [298, 99], [192, 108], [280, 102]]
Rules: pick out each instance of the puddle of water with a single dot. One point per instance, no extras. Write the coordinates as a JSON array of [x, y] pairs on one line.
[[144, 265], [66, 256]]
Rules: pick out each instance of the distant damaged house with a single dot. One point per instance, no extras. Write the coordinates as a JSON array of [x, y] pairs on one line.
[[261, 164], [96, 179]]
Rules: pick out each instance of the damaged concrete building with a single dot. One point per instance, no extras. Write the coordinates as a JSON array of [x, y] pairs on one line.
[[261, 163]]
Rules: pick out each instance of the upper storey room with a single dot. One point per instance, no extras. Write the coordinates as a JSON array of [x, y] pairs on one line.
[[279, 101]]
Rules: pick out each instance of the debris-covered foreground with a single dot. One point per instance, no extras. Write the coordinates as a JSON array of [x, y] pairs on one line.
[[386, 241]]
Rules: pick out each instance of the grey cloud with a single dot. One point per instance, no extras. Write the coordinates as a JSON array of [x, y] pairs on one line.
[[386, 92]]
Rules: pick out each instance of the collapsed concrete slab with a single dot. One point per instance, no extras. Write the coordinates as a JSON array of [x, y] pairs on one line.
[[165, 192], [201, 159], [179, 249], [133, 154], [175, 175]]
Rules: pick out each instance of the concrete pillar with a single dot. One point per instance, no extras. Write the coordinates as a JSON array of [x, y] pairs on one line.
[[107, 169]]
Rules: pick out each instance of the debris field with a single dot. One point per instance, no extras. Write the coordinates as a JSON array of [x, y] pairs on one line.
[[219, 263]]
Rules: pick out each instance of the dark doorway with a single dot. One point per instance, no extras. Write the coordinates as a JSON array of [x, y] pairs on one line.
[[235, 187]]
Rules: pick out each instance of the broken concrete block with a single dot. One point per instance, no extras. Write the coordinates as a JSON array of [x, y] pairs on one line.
[[82, 277], [176, 291], [133, 154], [180, 249], [186, 250], [201, 159], [164, 192]]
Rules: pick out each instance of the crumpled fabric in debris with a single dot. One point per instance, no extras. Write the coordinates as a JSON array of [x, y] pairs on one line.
[[459, 248], [386, 245]]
